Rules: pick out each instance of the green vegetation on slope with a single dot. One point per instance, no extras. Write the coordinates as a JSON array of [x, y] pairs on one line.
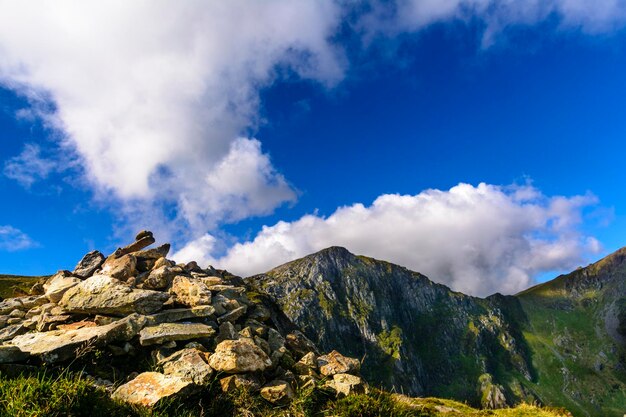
[[14, 285], [65, 394]]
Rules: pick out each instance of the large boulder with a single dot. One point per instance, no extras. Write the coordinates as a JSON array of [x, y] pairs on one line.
[[189, 364], [59, 345], [148, 388], [346, 384], [238, 356], [90, 263], [160, 278], [190, 291], [168, 332], [58, 284], [102, 294]]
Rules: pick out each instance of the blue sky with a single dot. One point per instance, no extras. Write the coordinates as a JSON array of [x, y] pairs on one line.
[[329, 130]]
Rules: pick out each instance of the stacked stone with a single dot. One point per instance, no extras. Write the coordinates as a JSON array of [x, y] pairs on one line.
[[197, 324]]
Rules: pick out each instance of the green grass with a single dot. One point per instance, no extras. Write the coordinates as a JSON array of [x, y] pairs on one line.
[[67, 394], [13, 285]]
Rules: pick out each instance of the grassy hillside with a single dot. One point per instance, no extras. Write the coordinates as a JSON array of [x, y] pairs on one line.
[[572, 332], [13, 285]]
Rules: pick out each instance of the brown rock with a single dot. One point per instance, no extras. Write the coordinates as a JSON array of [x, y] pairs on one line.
[[238, 381], [190, 291], [58, 284], [148, 388], [277, 392], [120, 268], [189, 364], [238, 356], [346, 384], [335, 363], [159, 278], [233, 315]]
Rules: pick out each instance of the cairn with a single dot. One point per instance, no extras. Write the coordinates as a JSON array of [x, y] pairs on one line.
[[197, 325]]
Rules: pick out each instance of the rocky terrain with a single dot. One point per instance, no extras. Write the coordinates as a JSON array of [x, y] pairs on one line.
[[560, 343], [193, 325]]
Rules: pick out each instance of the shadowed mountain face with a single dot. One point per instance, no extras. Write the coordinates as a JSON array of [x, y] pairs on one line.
[[414, 335], [560, 343]]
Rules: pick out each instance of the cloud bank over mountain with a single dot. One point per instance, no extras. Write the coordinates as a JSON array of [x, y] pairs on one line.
[[477, 240]]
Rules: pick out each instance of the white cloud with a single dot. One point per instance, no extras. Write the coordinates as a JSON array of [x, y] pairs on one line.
[[12, 239], [29, 166], [154, 94], [478, 240]]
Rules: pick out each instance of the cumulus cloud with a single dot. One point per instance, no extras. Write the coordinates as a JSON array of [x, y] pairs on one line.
[[154, 96], [29, 166], [476, 239], [13, 239]]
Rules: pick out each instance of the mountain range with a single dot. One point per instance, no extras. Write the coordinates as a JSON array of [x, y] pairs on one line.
[[561, 343]]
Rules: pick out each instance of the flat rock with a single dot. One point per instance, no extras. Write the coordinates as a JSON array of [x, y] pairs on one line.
[[189, 364], [148, 388], [57, 285], [102, 294], [89, 264], [21, 303], [12, 331], [236, 382], [179, 314], [238, 356], [160, 278], [335, 363], [190, 291], [59, 345], [233, 315], [166, 332]]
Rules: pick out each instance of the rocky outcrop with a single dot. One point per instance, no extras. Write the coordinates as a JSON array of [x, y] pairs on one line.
[[136, 307]]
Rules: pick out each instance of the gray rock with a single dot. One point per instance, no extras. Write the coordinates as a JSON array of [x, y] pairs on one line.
[[233, 315], [335, 363], [188, 364], [190, 291], [11, 331], [278, 392], [58, 284], [90, 263], [346, 384], [166, 332], [237, 356], [101, 294], [179, 314], [11, 354], [60, 345]]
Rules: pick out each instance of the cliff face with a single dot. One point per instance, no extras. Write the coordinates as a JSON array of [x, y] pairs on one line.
[[413, 335]]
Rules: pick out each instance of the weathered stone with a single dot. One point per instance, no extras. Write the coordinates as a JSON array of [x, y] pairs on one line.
[[335, 363], [11, 354], [11, 331], [101, 294], [178, 314], [166, 332], [210, 281], [232, 316], [142, 234], [189, 364], [14, 320], [227, 331], [306, 381], [159, 278], [21, 303], [120, 268], [45, 321], [260, 313], [275, 339], [59, 345], [57, 285], [37, 289], [190, 291], [298, 343], [192, 267], [148, 388], [17, 314], [76, 325], [492, 395], [137, 245], [89, 264], [148, 259], [236, 382], [277, 392], [306, 365], [237, 356], [262, 343], [346, 384]]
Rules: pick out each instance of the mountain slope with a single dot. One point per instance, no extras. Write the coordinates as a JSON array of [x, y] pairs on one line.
[[414, 336], [577, 332]]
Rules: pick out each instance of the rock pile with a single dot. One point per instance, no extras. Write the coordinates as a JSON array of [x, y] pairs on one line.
[[196, 325]]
